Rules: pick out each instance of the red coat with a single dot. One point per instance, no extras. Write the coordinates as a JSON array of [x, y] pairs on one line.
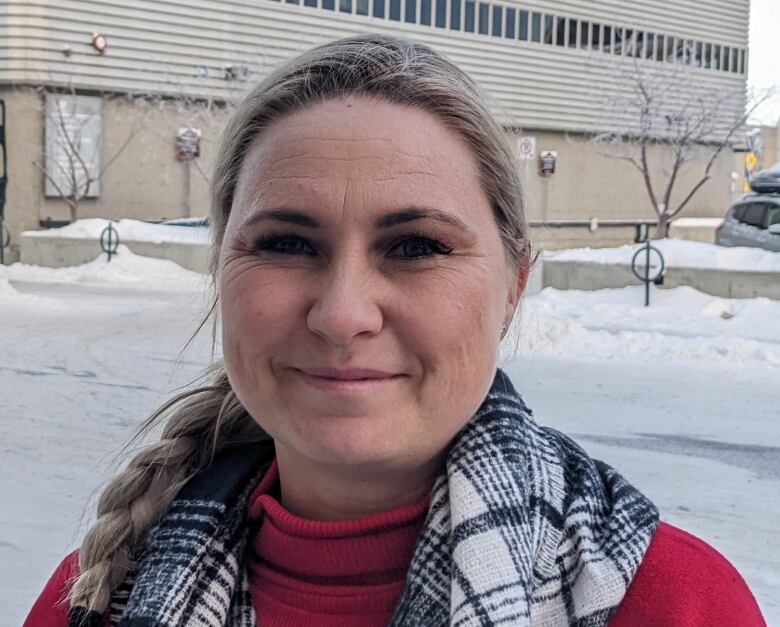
[[682, 582]]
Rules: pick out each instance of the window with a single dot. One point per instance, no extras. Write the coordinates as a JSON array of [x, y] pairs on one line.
[[584, 34], [755, 215], [509, 25], [441, 13], [468, 18], [292, 1], [639, 42], [629, 42], [716, 57], [549, 33], [345, 6], [410, 11], [689, 50], [659, 47], [536, 27], [649, 46], [617, 40], [498, 18], [484, 16], [734, 60], [742, 61], [560, 31], [361, 7], [607, 40], [726, 56], [330, 5], [571, 26], [455, 14], [425, 12], [522, 30], [395, 10], [595, 40], [708, 55], [73, 130], [679, 50], [379, 8], [773, 215], [697, 55], [310, 3]]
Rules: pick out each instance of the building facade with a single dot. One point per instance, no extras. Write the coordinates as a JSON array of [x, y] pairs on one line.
[[145, 69]]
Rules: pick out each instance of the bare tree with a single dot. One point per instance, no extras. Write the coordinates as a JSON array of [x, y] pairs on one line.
[[668, 117], [75, 176]]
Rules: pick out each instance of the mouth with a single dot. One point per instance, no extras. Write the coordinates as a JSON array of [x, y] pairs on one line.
[[348, 381]]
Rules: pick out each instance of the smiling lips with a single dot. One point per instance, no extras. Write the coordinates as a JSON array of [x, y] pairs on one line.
[[353, 380]]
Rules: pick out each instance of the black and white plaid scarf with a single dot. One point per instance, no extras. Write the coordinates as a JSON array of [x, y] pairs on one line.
[[523, 529]]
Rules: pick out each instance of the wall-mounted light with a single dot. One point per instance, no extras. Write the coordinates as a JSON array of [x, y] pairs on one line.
[[99, 42]]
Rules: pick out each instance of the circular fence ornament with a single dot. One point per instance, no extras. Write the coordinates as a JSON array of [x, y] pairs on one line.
[[647, 270], [109, 240]]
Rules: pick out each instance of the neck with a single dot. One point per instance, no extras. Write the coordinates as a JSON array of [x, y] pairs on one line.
[[328, 493]]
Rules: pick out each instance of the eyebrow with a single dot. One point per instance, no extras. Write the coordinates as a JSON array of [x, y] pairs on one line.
[[409, 214]]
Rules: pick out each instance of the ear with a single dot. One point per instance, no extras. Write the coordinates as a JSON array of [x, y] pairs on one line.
[[518, 278]]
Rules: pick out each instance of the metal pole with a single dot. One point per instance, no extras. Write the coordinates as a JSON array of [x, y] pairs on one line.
[[647, 273]]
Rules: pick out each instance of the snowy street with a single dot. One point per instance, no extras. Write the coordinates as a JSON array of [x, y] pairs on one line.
[[681, 397]]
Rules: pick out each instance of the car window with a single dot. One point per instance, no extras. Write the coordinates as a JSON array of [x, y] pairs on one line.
[[739, 212], [773, 216], [755, 215]]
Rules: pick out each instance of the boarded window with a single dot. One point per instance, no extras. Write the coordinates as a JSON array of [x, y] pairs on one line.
[[73, 140]]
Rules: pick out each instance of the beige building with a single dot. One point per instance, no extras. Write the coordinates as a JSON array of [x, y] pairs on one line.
[[128, 76]]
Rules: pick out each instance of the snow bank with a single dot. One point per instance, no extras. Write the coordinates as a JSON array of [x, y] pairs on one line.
[[680, 324], [130, 230], [681, 254], [124, 269]]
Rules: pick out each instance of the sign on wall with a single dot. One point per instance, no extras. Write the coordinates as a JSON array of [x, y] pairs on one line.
[[526, 147], [73, 140]]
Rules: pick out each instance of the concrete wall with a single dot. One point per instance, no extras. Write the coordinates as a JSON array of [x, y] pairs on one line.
[[578, 275], [59, 252], [145, 181]]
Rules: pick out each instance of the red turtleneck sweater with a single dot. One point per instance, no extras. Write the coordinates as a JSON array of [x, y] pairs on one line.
[[351, 573], [307, 573]]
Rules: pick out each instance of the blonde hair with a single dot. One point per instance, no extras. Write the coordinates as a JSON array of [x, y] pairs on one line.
[[203, 421]]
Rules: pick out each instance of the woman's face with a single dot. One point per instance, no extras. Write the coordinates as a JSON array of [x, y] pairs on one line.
[[363, 285]]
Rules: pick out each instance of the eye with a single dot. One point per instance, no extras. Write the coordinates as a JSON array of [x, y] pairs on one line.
[[284, 245], [418, 247]]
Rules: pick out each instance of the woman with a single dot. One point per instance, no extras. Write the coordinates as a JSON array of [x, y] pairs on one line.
[[358, 459]]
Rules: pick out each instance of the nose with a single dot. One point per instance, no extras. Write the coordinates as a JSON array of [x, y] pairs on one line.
[[346, 303]]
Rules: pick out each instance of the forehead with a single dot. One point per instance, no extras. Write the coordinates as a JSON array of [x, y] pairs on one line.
[[367, 152]]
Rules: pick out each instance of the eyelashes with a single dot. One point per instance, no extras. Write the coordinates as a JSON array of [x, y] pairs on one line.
[[407, 247]]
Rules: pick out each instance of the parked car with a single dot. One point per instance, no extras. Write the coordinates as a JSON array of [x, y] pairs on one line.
[[753, 220], [766, 181]]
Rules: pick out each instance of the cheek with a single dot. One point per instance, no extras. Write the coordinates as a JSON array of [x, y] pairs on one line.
[[258, 312], [458, 336]]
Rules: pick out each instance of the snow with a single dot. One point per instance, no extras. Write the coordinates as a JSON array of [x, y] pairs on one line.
[[681, 254], [124, 269], [682, 324], [128, 230], [681, 397]]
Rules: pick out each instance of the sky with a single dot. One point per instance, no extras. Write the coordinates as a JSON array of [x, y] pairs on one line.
[[764, 57]]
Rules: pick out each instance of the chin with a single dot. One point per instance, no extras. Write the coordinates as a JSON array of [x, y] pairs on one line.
[[345, 442]]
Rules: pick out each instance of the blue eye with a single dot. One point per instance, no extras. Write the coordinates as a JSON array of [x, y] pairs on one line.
[[284, 245], [418, 247]]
